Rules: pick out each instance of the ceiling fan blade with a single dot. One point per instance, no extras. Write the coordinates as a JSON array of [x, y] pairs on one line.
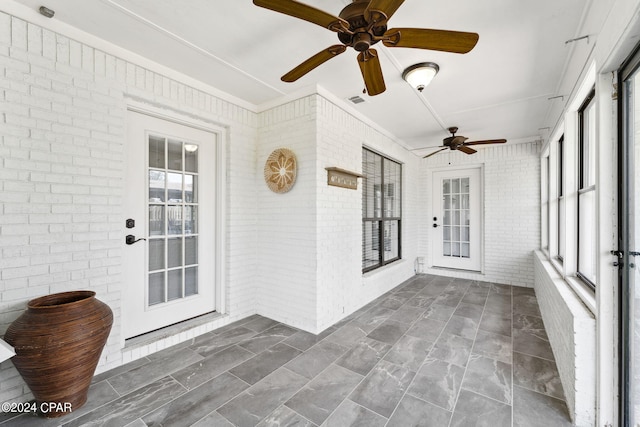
[[311, 63], [421, 38], [488, 141], [371, 72], [305, 12], [435, 152], [424, 148], [467, 150], [381, 10]]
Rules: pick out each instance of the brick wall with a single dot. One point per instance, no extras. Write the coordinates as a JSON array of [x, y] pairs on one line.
[[571, 328], [342, 288], [287, 222], [310, 253], [62, 130], [511, 210]]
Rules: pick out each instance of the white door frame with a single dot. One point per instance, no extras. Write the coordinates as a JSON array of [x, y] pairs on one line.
[[221, 133], [429, 220]]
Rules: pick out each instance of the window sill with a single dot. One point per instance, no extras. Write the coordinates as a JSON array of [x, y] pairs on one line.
[[584, 292], [581, 289], [384, 268]]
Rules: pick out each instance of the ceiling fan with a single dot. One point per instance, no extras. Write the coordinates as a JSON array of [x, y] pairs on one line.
[[459, 143], [362, 24]]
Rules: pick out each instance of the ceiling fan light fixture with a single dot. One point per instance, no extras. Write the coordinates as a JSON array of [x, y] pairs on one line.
[[420, 75]]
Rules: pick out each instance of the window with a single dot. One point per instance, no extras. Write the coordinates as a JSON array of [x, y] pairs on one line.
[[561, 201], [381, 210], [587, 191], [546, 180]]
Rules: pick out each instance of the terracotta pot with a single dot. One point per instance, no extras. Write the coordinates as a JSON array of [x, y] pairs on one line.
[[58, 342]]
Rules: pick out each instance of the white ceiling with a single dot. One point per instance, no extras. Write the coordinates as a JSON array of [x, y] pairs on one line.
[[498, 90]]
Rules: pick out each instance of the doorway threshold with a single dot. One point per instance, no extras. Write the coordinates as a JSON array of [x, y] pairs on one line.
[[173, 332]]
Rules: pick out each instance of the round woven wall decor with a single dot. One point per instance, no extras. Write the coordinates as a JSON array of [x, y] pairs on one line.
[[280, 170]]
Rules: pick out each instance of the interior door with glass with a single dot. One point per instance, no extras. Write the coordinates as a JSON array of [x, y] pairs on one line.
[[169, 224], [456, 223]]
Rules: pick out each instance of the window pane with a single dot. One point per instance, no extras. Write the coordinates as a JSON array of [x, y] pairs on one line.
[[174, 289], [190, 281], [191, 250], [174, 187], [561, 215], [392, 188], [464, 185], [191, 157], [446, 249], [174, 219], [156, 186], [190, 219], [456, 234], [455, 249], [446, 233], [372, 184], [455, 185], [391, 240], [174, 256], [156, 288], [465, 250], [156, 152], [191, 188], [175, 155], [370, 243], [156, 220], [156, 254], [587, 235]]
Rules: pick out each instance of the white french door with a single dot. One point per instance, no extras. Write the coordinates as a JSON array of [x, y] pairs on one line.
[[169, 220], [456, 222]]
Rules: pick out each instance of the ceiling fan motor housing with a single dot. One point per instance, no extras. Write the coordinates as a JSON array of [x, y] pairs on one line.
[[361, 39]]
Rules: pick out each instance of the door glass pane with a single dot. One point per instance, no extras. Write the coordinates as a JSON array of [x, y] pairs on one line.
[[156, 288], [190, 157], [190, 281], [174, 187], [156, 254], [174, 256], [190, 219], [174, 289], [173, 212], [156, 220], [190, 188], [175, 155], [191, 250], [174, 219], [156, 152], [156, 186]]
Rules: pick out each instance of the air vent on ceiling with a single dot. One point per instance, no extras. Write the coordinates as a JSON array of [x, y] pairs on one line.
[[356, 99]]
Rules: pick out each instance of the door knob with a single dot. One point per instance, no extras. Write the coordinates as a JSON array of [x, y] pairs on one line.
[[435, 225], [130, 239]]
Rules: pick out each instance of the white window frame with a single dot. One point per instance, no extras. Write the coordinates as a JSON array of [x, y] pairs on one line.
[[567, 229]]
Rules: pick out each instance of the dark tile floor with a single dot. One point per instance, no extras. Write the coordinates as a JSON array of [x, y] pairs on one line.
[[434, 351]]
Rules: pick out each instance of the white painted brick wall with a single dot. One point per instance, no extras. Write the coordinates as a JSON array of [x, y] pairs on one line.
[[62, 130], [571, 328], [511, 210], [310, 238], [287, 222], [342, 288]]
